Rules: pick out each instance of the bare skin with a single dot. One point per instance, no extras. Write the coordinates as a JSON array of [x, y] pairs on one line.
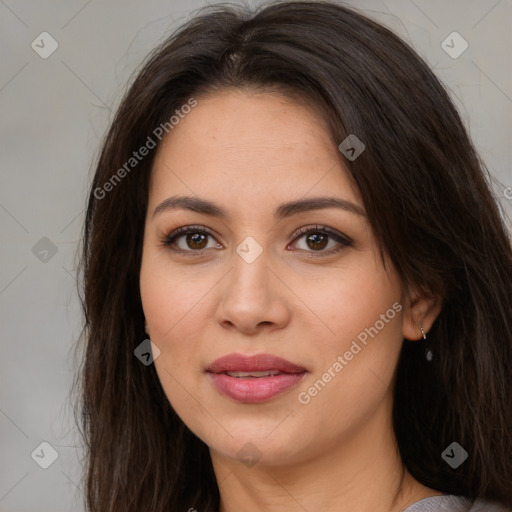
[[299, 300]]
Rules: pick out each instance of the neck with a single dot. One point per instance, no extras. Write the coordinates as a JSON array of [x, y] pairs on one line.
[[362, 473]]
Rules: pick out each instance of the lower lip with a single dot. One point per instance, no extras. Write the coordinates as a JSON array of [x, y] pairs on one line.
[[255, 389]]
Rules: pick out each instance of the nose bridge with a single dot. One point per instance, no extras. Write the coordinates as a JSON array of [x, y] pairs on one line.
[[250, 268], [252, 295]]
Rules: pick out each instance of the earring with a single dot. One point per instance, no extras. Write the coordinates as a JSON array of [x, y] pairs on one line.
[[428, 353]]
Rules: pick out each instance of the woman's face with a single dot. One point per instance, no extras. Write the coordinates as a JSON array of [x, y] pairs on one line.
[[255, 285]]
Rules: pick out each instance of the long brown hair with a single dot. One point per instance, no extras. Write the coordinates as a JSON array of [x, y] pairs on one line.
[[428, 199]]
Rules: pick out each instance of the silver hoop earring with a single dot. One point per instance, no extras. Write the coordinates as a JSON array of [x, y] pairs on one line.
[[428, 353]]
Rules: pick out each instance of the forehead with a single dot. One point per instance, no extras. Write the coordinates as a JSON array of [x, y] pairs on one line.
[[242, 145]]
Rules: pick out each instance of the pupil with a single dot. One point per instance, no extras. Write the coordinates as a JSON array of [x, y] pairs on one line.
[[317, 239]]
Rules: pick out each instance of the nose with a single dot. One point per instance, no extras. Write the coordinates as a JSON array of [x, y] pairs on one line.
[[254, 297]]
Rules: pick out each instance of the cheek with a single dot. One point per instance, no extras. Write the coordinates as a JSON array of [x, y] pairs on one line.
[[363, 323], [175, 305], [352, 301], [171, 305], [171, 299], [353, 378]]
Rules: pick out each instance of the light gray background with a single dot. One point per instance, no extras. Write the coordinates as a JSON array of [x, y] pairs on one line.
[[54, 112]]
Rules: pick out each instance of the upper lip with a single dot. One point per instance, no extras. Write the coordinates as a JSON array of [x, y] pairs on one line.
[[258, 362]]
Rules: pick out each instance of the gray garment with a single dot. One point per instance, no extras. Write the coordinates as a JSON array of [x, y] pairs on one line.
[[450, 503]]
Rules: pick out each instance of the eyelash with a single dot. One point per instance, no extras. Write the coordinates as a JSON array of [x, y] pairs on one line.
[[323, 230]]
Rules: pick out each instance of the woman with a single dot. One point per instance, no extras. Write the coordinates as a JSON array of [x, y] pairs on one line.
[[297, 280]]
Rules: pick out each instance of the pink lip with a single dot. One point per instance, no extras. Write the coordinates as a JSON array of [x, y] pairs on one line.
[[258, 362], [254, 389]]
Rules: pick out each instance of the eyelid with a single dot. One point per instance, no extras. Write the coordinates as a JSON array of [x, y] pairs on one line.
[[169, 239], [322, 229], [342, 240]]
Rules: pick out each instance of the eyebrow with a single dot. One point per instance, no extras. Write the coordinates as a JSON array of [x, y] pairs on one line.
[[288, 209]]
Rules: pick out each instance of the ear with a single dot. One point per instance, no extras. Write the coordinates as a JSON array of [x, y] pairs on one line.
[[146, 327], [419, 309]]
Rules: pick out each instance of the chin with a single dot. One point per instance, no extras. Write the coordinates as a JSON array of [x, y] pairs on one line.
[[263, 446]]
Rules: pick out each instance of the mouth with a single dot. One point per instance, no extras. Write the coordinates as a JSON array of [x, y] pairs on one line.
[[253, 375], [259, 365], [254, 379]]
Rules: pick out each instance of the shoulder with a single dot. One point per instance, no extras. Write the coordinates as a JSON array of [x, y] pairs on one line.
[[451, 503]]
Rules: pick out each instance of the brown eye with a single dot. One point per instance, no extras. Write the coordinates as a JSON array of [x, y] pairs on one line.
[[196, 240], [317, 238], [189, 239], [317, 241]]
